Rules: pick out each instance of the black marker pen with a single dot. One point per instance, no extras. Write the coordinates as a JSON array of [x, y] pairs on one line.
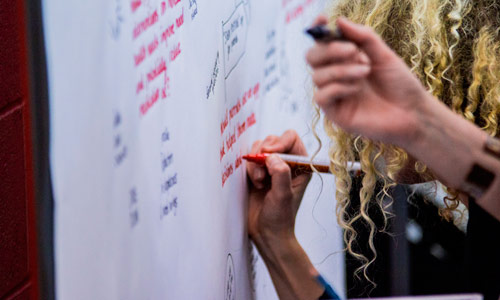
[[322, 34]]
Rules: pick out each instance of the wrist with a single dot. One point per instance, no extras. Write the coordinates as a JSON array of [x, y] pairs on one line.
[[272, 241], [422, 117], [445, 141], [289, 266]]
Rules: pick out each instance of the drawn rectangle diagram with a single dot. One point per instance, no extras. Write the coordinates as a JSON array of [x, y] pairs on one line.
[[234, 36]]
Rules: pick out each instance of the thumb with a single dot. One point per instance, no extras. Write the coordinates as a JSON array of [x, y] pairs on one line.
[[366, 39], [281, 179]]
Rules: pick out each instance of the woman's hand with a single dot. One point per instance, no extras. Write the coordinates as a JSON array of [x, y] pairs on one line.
[[364, 87], [275, 194]]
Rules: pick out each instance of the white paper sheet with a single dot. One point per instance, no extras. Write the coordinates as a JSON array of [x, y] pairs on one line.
[[152, 105]]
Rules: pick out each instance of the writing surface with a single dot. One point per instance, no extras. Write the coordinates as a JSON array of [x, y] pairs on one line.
[[152, 105]]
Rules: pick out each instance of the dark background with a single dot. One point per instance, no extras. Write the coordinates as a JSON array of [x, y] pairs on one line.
[[430, 265]]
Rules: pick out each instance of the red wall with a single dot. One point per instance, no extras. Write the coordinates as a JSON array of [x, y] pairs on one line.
[[17, 236]]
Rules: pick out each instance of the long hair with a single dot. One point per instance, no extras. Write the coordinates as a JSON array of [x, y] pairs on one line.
[[453, 47]]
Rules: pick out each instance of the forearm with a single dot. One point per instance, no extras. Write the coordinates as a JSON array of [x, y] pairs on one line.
[[289, 267], [451, 146]]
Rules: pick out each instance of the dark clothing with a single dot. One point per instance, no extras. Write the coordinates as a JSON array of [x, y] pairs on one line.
[[482, 253], [325, 296]]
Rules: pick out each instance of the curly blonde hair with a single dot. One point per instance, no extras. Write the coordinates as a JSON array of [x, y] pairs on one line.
[[453, 47]]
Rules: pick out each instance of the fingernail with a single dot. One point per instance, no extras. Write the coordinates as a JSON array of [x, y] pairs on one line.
[[273, 159], [259, 174]]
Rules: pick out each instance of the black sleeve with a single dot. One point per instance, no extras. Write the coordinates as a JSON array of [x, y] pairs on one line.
[[326, 296], [482, 253]]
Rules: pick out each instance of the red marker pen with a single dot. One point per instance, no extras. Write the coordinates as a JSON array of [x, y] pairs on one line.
[[296, 162]]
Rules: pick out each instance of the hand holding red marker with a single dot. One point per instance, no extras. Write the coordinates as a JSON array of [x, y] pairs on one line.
[[276, 189]]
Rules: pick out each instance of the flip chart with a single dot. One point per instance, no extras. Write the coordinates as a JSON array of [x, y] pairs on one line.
[[152, 105]]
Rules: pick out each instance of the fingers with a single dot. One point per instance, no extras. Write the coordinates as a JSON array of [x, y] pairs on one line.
[[289, 142], [281, 178], [322, 54], [269, 140], [363, 58], [256, 147], [256, 173], [342, 72], [336, 91], [366, 39], [320, 20]]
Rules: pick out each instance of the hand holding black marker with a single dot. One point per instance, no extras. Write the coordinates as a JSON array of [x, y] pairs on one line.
[[363, 86]]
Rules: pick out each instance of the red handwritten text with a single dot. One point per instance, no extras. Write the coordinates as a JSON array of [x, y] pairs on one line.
[[180, 20], [175, 52], [159, 69], [237, 162], [223, 124], [242, 128], [163, 7], [139, 58], [251, 120], [144, 25], [256, 89], [235, 109], [173, 3], [297, 11], [294, 13], [135, 4], [166, 87], [230, 141], [228, 171], [222, 151], [150, 102], [167, 33], [140, 87], [153, 46]]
